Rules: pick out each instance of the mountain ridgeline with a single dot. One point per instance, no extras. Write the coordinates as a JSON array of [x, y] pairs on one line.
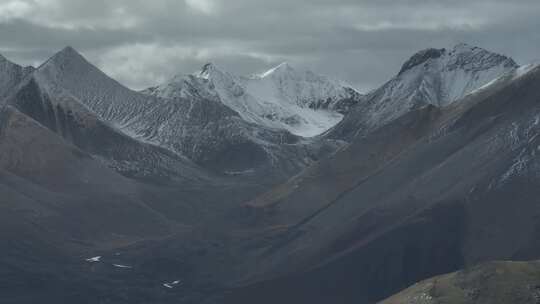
[[279, 187]]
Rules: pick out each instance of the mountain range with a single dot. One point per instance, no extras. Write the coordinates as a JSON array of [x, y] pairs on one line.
[[280, 187]]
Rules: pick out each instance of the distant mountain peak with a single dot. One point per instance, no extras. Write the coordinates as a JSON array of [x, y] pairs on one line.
[[207, 67], [67, 55], [280, 68], [209, 71], [283, 98], [437, 77], [68, 52], [69, 49], [464, 46], [460, 56]]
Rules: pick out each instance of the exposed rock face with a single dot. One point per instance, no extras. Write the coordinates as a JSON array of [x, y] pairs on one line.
[[420, 58], [11, 75]]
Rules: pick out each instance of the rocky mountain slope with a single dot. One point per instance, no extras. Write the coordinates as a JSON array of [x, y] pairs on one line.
[[426, 194], [67, 116]]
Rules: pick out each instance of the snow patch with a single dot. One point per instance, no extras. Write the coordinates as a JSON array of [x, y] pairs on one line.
[[94, 259], [171, 285]]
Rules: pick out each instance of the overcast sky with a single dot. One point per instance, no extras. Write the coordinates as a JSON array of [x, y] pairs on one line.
[[144, 42]]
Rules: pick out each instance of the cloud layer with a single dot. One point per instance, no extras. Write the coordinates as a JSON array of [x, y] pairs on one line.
[[142, 42]]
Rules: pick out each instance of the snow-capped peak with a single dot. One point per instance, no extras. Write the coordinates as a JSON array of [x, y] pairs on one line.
[[442, 76], [302, 87], [281, 68], [461, 56], [421, 57], [301, 102], [438, 77], [207, 71], [66, 56]]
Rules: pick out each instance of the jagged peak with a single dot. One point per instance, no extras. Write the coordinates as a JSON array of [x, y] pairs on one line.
[[421, 57], [208, 70], [461, 55], [472, 57], [205, 72], [67, 54], [208, 67], [462, 46]]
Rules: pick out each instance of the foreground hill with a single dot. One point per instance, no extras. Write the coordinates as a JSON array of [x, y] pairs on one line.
[[491, 283]]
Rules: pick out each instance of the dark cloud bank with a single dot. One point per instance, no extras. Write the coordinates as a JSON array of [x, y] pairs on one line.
[[142, 42]]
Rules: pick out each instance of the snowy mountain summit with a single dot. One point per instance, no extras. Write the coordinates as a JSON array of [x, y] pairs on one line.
[[438, 77], [302, 102], [302, 87], [442, 76]]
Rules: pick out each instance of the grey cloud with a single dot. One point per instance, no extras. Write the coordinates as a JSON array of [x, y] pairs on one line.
[[364, 42]]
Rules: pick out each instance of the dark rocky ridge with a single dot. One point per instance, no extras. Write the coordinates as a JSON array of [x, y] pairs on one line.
[[420, 58]]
